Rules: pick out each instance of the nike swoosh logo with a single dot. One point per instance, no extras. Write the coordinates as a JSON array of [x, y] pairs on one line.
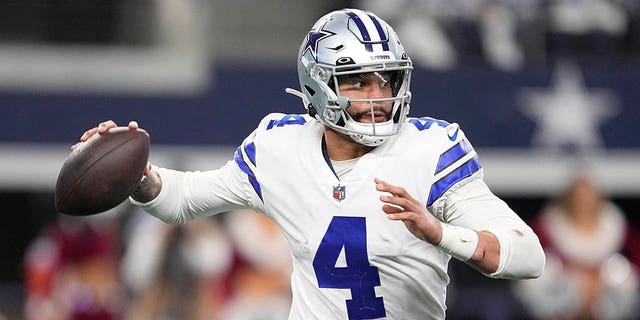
[[453, 136]]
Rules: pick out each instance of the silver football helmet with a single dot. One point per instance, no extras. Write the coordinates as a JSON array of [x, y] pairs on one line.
[[345, 42]]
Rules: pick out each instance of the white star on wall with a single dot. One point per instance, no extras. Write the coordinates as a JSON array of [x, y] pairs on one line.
[[567, 115]]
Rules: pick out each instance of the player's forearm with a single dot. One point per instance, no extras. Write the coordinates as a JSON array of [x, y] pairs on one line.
[[486, 257], [499, 252], [479, 249], [501, 234]]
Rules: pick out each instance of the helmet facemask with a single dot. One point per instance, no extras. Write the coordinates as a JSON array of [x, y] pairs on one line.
[[368, 132]]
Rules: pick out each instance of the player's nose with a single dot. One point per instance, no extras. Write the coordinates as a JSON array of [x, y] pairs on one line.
[[378, 91]]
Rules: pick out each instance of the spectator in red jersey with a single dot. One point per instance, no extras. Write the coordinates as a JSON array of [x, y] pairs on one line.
[[71, 271], [593, 254]]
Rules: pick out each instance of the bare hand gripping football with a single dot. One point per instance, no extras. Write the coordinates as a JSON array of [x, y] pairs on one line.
[[102, 171]]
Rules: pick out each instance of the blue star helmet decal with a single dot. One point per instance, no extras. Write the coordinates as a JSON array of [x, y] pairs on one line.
[[313, 37]]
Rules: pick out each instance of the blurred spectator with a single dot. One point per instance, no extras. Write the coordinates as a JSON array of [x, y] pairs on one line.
[[175, 271], [588, 28], [260, 280], [593, 254], [71, 270], [587, 16]]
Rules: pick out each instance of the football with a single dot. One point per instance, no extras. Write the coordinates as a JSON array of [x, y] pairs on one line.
[[102, 172]]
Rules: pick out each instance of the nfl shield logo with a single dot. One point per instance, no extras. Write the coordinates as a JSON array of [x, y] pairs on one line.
[[339, 192]]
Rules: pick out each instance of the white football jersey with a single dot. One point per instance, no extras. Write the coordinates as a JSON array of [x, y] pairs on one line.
[[349, 260]]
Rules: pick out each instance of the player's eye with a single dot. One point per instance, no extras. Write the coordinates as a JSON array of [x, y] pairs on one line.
[[359, 81], [360, 84], [353, 81]]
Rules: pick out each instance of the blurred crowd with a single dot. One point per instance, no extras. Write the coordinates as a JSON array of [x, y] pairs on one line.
[[129, 265], [440, 34], [106, 267], [512, 34]]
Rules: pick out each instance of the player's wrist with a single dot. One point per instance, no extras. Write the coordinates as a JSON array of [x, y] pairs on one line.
[[149, 187], [459, 242]]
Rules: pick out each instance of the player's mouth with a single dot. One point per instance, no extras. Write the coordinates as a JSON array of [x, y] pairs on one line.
[[378, 116]]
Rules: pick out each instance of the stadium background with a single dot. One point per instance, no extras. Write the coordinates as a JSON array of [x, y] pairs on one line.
[[198, 75]]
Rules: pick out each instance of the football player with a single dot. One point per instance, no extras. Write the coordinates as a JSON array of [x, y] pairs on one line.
[[372, 202]]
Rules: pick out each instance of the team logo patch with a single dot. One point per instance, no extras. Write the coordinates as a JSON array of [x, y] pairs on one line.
[[339, 192]]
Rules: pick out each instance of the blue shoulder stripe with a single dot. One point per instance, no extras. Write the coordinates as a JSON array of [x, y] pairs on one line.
[[240, 161], [250, 149], [452, 155], [444, 184]]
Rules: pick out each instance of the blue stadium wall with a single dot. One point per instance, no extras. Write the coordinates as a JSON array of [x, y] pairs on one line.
[[484, 101]]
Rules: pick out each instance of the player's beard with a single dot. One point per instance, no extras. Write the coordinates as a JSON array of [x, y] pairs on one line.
[[359, 115]]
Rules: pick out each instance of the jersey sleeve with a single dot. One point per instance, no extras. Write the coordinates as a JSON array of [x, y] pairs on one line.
[[188, 195], [474, 206]]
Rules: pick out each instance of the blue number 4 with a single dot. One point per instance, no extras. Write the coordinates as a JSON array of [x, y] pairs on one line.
[[358, 276]]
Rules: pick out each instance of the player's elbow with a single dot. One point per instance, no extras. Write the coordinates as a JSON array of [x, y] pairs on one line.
[[536, 263], [534, 257]]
